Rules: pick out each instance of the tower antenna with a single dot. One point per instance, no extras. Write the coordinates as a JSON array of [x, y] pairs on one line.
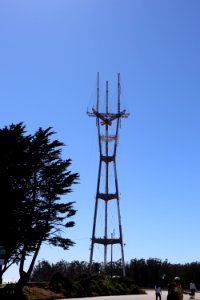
[[107, 121]]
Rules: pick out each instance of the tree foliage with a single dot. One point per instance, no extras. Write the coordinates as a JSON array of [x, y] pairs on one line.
[[34, 180], [143, 272]]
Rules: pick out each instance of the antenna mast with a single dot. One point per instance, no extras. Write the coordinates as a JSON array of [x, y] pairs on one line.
[[107, 121]]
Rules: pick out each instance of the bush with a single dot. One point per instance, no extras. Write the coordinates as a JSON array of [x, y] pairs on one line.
[[57, 282], [87, 286]]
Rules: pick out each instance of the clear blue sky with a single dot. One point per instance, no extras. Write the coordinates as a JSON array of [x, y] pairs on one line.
[[50, 53]]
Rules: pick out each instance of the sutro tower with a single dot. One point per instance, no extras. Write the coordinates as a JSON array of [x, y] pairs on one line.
[[108, 126]]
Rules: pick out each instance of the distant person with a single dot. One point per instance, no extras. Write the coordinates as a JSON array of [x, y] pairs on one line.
[[178, 288], [158, 291], [172, 294], [192, 288]]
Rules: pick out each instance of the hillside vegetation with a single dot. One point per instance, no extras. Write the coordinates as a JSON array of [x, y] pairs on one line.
[[84, 286]]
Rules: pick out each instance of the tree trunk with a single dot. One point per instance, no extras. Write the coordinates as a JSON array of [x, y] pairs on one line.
[[1, 279], [21, 282]]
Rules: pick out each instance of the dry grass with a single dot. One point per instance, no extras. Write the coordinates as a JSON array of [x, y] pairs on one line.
[[34, 292]]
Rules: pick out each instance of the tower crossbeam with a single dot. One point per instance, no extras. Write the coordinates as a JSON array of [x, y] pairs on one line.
[[107, 118]]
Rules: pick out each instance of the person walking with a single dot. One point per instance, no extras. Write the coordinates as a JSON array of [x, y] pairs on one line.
[[192, 288], [158, 291], [172, 291], [178, 288]]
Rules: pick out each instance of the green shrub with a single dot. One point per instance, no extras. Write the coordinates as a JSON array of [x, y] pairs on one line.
[[97, 285], [77, 291], [95, 288], [57, 282], [134, 289]]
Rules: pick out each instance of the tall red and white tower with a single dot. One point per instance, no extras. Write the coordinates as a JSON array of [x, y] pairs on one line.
[[107, 203]]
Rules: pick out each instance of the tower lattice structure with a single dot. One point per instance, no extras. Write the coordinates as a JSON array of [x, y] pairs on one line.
[[107, 162]]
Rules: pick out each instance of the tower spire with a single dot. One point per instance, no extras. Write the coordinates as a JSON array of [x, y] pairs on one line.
[[107, 121]]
